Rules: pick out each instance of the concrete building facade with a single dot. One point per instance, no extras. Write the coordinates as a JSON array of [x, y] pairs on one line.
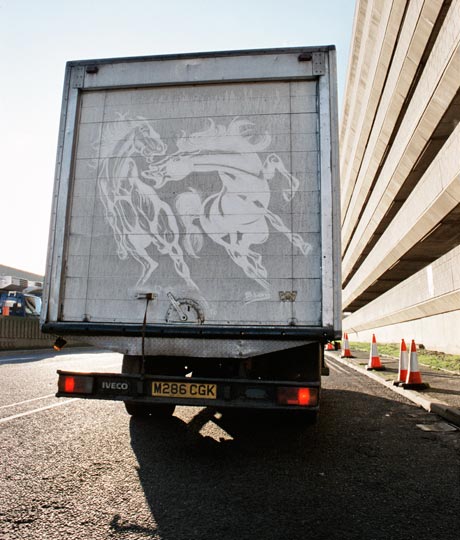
[[400, 174]]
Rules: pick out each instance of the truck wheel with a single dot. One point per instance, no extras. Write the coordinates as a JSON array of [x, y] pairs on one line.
[[160, 410], [132, 365]]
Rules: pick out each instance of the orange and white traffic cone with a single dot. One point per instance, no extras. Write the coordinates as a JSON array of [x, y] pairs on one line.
[[329, 346], [346, 353], [403, 363], [374, 358], [414, 377]]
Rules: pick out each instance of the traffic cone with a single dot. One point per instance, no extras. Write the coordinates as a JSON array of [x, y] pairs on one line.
[[329, 347], [374, 358], [403, 362], [414, 377], [346, 353]]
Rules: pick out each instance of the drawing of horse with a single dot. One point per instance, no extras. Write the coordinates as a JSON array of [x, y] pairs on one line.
[[137, 215], [236, 217]]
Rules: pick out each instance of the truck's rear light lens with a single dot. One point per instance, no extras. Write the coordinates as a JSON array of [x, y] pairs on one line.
[[306, 397], [69, 384], [75, 384]]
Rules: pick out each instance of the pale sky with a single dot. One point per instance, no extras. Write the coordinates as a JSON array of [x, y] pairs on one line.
[[37, 37]]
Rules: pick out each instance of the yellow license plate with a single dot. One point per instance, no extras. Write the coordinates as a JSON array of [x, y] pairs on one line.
[[184, 390]]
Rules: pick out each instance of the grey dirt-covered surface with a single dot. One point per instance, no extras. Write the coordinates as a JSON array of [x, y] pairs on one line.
[[86, 470]]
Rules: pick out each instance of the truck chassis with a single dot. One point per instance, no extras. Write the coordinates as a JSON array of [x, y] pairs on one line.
[[154, 385]]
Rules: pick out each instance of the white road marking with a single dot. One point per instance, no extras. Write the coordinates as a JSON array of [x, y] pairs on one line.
[[37, 355], [15, 359], [337, 368], [14, 416], [53, 363], [26, 401], [48, 395], [55, 359]]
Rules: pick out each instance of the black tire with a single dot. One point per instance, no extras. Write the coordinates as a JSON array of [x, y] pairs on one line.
[[132, 365]]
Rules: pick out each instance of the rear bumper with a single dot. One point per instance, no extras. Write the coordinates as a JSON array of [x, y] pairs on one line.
[[236, 393]]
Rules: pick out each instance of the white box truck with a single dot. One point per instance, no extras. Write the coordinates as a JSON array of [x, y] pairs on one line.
[[196, 229]]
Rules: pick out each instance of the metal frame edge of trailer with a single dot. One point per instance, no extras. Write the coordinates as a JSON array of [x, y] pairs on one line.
[[75, 83], [208, 54]]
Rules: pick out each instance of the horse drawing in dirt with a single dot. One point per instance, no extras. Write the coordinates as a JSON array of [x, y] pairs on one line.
[[236, 217], [137, 215]]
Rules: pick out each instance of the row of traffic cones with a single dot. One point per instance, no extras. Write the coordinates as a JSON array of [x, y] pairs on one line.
[[346, 353], [409, 375]]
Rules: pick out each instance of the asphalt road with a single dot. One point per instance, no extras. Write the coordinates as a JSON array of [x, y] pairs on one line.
[[75, 469]]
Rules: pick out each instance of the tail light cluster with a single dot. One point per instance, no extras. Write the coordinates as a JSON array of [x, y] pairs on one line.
[[79, 384], [290, 395]]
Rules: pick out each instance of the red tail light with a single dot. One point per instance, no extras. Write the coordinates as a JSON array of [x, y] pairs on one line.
[[306, 397], [69, 384], [75, 384]]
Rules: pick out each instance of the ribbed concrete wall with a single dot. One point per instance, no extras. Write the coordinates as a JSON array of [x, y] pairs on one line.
[[371, 52], [425, 304], [22, 333], [435, 90], [400, 173], [436, 194]]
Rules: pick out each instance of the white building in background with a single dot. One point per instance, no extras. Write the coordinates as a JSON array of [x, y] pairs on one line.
[[400, 174]]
